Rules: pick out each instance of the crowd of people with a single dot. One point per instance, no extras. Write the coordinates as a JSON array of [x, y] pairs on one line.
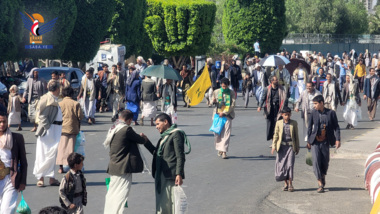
[[57, 117]]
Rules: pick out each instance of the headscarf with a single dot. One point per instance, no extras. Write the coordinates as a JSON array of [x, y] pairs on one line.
[[6, 141], [132, 77], [13, 87], [112, 131]]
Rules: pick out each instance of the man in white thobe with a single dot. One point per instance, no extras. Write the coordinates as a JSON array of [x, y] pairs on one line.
[[48, 134]]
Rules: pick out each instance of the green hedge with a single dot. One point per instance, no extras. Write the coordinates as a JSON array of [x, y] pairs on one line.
[[180, 27], [127, 26], [244, 21], [11, 28], [93, 20]]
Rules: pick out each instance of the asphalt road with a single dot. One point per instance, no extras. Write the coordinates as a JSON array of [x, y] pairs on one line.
[[212, 185]]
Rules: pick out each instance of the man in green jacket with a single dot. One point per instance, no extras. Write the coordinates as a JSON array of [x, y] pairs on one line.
[[168, 162]]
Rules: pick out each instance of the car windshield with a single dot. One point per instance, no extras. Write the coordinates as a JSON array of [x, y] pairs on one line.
[[46, 74]]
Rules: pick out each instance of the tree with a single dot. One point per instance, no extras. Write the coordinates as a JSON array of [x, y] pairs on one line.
[[180, 28], [66, 11], [244, 21], [127, 27], [356, 17], [92, 23], [326, 16], [11, 29], [374, 22]]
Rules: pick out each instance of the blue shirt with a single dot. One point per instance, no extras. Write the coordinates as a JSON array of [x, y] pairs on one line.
[[342, 69], [257, 47]]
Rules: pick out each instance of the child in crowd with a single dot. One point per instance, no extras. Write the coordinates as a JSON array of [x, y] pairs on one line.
[[286, 143], [14, 108], [72, 191]]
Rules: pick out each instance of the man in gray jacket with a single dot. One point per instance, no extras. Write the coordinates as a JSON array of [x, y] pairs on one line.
[[306, 102], [35, 88]]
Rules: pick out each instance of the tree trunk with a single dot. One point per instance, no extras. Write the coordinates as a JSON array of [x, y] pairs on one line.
[[35, 62], [74, 64], [82, 66]]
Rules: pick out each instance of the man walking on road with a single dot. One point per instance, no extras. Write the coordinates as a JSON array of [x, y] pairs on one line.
[[371, 92], [168, 162], [331, 93], [115, 91], [256, 46], [48, 135], [274, 98], [125, 159], [35, 88], [306, 103], [323, 132]]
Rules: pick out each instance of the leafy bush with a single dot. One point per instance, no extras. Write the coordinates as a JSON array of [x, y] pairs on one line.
[[180, 27], [244, 21], [11, 28], [127, 27], [94, 18]]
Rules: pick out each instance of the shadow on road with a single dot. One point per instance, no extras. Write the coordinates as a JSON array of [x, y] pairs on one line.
[[260, 157], [94, 171], [331, 189]]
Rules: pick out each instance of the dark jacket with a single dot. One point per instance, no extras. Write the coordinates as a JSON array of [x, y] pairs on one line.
[[332, 127], [214, 77], [124, 152], [255, 78], [133, 92], [173, 156], [18, 160], [235, 75], [121, 88], [266, 100], [148, 90], [346, 94], [367, 87]]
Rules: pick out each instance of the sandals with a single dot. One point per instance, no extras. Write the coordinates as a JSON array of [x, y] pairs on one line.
[[55, 183], [291, 188], [320, 189], [40, 184], [220, 153], [224, 155], [285, 188]]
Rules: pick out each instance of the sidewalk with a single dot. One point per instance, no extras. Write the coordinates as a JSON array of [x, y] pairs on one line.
[[345, 191]]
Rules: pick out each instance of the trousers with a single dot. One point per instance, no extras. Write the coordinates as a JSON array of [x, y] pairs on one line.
[[164, 200]]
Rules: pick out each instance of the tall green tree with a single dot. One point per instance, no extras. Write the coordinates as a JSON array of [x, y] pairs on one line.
[[66, 11], [11, 28], [127, 27], [180, 28], [356, 17], [93, 20], [244, 21], [326, 16], [374, 22]]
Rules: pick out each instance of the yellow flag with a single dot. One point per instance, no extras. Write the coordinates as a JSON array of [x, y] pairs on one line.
[[197, 91]]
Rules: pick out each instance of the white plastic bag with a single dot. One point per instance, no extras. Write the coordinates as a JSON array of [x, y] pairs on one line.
[[174, 118], [180, 201]]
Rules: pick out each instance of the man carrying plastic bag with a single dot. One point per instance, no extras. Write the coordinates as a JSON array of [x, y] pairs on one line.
[[13, 164], [224, 98], [168, 162]]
